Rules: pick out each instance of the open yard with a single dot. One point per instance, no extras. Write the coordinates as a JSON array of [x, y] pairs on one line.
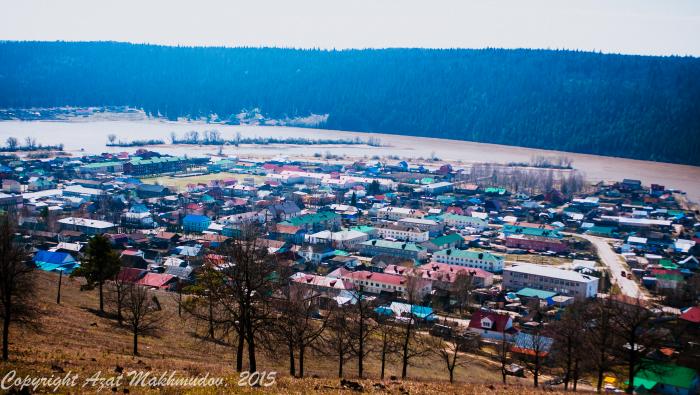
[[179, 183]]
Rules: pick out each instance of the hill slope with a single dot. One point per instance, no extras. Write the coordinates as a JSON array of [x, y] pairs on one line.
[[72, 338], [631, 106]]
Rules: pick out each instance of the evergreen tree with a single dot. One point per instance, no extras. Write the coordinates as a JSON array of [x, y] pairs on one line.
[[100, 264]]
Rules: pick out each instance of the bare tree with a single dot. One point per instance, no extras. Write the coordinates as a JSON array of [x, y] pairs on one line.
[[296, 323], [462, 289], [411, 342], [533, 351], [336, 339], [141, 312], [12, 143], [111, 138], [634, 325], [116, 293], [447, 350], [600, 339], [243, 286], [504, 355], [389, 337], [361, 327], [570, 347], [16, 283]]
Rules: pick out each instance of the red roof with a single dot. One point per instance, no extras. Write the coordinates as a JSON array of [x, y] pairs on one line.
[[692, 315], [499, 321], [158, 280], [130, 274], [378, 277]]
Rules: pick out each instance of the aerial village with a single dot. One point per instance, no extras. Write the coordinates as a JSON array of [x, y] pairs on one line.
[[497, 267]]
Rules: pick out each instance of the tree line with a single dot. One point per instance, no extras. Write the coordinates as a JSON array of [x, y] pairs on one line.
[[640, 107]]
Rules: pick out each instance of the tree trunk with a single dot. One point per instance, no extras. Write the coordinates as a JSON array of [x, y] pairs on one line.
[[452, 374], [567, 373], [301, 360], [119, 305], [341, 356], [383, 361], [536, 374], [575, 373], [252, 365], [600, 376], [361, 353], [6, 334], [136, 342], [292, 364], [239, 353], [102, 305]]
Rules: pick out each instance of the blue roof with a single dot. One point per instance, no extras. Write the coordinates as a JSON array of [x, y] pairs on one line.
[[527, 341], [196, 218], [58, 258]]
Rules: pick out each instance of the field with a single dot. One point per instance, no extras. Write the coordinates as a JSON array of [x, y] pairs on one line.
[[71, 337], [180, 183]]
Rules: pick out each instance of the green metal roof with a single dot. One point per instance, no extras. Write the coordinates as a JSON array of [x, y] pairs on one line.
[[101, 164], [162, 159], [525, 230], [667, 374], [311, 218], [468, 254], [446, 239], [535, 293]]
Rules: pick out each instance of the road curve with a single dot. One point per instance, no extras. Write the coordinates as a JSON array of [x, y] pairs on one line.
[[628, 287]]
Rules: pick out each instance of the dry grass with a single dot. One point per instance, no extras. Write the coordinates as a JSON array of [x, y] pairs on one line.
[[73, 338], [180, 183]]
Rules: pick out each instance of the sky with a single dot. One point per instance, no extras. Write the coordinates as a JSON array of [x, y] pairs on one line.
[[650, 27]]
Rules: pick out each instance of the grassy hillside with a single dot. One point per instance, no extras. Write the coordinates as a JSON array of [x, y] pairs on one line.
[[72, 338]]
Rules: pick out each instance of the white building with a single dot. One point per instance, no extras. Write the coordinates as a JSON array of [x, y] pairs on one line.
[[402, 232], [465, 221], [478, 259], [547, 278], [397, 213]]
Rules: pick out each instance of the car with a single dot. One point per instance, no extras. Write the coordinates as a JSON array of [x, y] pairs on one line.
[[623, 274]]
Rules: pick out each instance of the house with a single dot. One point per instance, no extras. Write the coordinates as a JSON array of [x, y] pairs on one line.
[[155, 165], [378, 283], [102, 167], [291, 233], [86, 225], [11, 186], [443, 275], [492, 325], [476, 259], [346, 239], [316, 222], [398, 309], [158, 280], [282, 211], [148, 191], [452, 240], [315, 253], [401, 232], [547, 278], [531, 345], [433, 227], [138, 217], [537, 243], [325, 286], [55, 261], [667, 379], [398, 213], [393, 248], [195, 223], [464, 221]]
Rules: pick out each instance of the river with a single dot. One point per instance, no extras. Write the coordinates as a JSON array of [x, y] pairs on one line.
[[90, 136]]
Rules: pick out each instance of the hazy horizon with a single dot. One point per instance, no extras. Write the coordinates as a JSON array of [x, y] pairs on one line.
[[634, 27]]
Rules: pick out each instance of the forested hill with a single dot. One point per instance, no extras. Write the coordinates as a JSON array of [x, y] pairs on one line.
[[630, 106]]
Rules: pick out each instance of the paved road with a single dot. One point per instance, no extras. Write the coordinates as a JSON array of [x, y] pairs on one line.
[[629, 287]]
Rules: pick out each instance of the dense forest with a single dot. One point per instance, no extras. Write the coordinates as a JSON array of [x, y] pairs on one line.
[[632, 106]]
